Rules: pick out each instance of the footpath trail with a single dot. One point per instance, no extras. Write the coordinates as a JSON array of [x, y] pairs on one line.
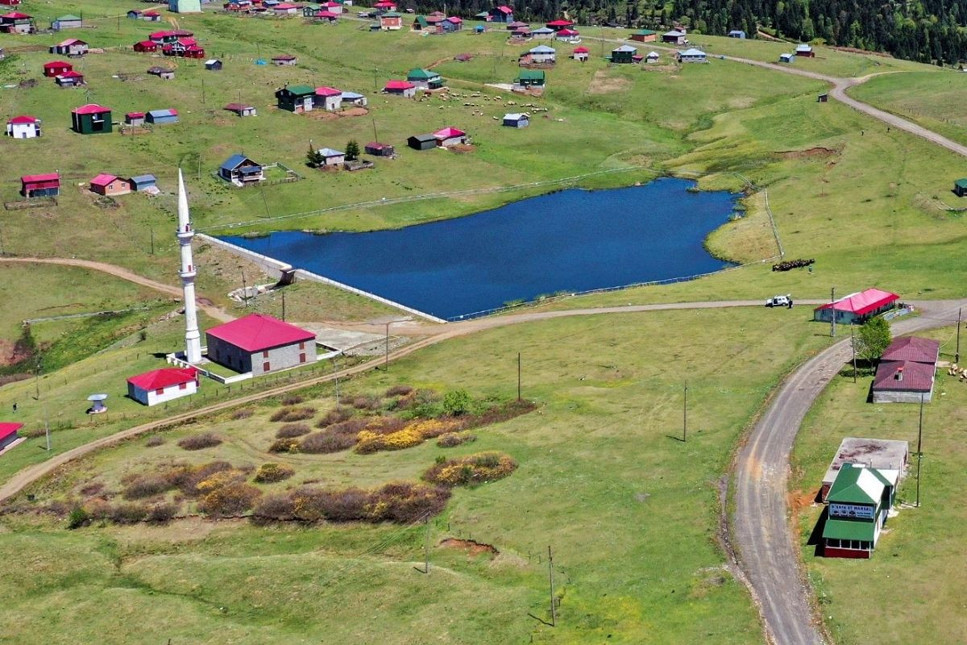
[[766, 545]]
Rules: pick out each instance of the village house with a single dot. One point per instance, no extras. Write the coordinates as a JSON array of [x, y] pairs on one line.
[[960, 187], [400, 88], [163, 73], [674, 37], [451, 24], [162, 117], [213, 65], [449, 137], [905, 371], [424, 79], [9, 433], [581, 53], [162, 385], [66, 22], [145, 46], [326, 16], [652, 58], [805, 51], [17, 23], [332, 7], [184, 6], [241, 109], [522, 33], [10, 3], [623, 54], [530, 78], [378, 149], [328, 98], [142, 183], [542, 33], [692, 55], [422, 141], [502, 13], [514, 26], [166, 37], [560, 23], [329, 158], [240, 170], [516, 120], [69, 79], [134, 118], [737, 33], [260, 344], [285, 9], [391, 21], [91, 119], [73, 47], [105, 184], [384, 6], [883, 454], [568, 36], [56, 67], [856, 308], [540, 55], [47, 185], [151, 16], [23, 127], [354, 98], [644, 36], [787, 58], [859, 505], [284, 59], [296, 98]]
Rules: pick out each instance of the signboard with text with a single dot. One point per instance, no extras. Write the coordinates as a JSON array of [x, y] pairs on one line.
[[851, 510]]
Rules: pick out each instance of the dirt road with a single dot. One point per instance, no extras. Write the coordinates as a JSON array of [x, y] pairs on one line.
[[766, 545]]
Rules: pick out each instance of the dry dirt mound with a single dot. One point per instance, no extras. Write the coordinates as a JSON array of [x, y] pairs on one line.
[[818, 151], [472, 547]]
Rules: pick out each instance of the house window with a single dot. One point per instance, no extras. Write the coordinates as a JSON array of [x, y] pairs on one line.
[[159, 391], [182, 386], [302, 345], [302, 358], [266, 367], [265, 354]]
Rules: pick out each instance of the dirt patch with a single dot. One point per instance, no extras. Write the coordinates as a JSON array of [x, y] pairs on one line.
[[321, 115], [472, 547], [604, 84], [356, 111], [817, 152], [799, 500], [463, 147]]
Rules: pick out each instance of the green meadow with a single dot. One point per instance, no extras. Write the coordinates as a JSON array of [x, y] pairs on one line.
[[630, 511]]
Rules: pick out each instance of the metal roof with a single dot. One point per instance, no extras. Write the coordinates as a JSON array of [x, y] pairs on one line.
[[258, 332]]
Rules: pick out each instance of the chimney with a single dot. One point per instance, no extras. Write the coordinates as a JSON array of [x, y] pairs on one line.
[[899, 374]]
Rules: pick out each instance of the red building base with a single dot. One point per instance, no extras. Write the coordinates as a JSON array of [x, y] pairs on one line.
[[836, 552]]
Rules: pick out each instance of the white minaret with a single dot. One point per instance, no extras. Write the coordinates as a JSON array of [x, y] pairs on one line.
[[185, 233]]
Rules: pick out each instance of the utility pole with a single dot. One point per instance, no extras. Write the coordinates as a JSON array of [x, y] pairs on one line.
[[550, 576], [852, 344], [335, 375], [283, 305], [518, 376], [152, 240], [685, 414], [919, 459], [244, 290], [386, 360], [426, 544], [832, 311], [956, 354], [47, 426], [919, 449]]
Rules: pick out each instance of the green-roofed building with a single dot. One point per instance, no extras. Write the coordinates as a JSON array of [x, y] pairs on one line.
[[425, 79], [531, 78], [859, 503], [296, 98], [960, 187], [67, 22], [644, 36]]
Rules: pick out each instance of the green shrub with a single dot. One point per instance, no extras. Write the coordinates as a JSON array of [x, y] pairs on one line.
[[78, 517], [471, 470], [269, 473], [457, 402], [228, 500]]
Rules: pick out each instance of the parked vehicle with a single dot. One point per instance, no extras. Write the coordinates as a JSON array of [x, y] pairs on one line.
[[780, 301]]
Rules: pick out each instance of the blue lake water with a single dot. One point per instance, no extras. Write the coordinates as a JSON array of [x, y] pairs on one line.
[[573, 240]]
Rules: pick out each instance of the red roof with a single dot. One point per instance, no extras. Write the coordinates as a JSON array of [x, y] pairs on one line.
[[135, 115], [8, 428], [328, 91], [911, 348], [103, 179], [90, 108], [258, 332], [187, 42], [161, 34], [448, 132], [862, 303], [284, 57], [504, 9], [23, 119], [164, 377], [581, 50], [15, 15], [383, 4], [560, 23], [326, 14], [916, 377], [146, 43], [150, 13], [70, 74], [567, 32], [398, 85], [70, 41], [455, 20], [57, 64], [36, 179]]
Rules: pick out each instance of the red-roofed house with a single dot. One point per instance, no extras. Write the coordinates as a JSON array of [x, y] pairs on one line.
[[286, 9], [8, 433], [331, 6], [56, 68], [284, 59], [450, 24], [911, 348], [402, 88], [134, 118], [17, 23], [385, 5], [10, 3], [105, 184], [856, 308], [158, 386], [164, 36], [329, 98], [323, 15], [390, 21], [70, 79], [91, 119], [146, 46], [70, 47], [260, 344], [40, 185], [23, 127], [557, 25], [903, 382], [503, 13], [448, 137], [581, 54]]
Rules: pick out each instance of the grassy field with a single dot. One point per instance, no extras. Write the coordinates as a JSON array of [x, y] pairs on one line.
[[921, 546], [627, 507]]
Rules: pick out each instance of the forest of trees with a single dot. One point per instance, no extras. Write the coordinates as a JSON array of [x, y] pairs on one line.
[[929, 31]]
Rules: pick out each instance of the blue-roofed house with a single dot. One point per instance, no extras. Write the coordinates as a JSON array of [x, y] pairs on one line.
[[354, 98], [692, 56], [542, 54], [517, 120], [240, 170], [161, 117], [143, 182], [737, 33], [330, 158]]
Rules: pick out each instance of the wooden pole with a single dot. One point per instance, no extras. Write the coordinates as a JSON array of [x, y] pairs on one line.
[[550, 575], [852, 343], [956, 354], [518, 376], [685, 415]]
